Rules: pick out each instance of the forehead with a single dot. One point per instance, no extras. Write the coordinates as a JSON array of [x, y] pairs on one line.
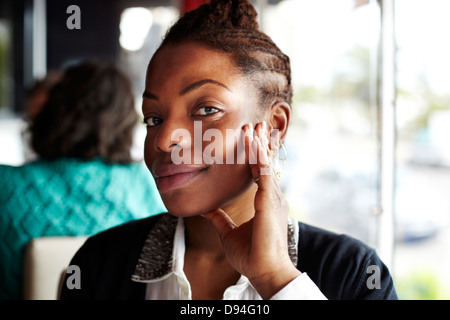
[[180, 64]]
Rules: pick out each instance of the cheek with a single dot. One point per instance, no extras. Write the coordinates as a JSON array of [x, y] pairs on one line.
[[222, 141], [223, 148], [231, 181], [220, 186]]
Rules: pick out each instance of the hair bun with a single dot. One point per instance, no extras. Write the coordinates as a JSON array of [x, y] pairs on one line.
[[238, 14], [231, 26]]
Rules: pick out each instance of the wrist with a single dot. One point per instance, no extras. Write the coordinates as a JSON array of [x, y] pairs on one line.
[[270, 283]]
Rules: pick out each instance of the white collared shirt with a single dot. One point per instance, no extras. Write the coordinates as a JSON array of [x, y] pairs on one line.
[[174, 285]]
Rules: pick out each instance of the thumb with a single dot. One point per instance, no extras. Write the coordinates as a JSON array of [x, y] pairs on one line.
[[221, 221]]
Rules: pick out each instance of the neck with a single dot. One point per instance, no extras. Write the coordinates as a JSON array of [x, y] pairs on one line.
[[201, 235]]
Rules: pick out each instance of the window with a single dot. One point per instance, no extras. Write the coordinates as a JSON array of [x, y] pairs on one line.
[[10, 128], [5, 71], [141, 32], [332, 178], [422, 254]]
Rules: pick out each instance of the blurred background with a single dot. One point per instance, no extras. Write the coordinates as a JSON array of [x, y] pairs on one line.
[[345, 154]]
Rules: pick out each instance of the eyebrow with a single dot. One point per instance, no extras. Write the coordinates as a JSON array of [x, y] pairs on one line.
[[149, 95], [189, 88], [200, 83]]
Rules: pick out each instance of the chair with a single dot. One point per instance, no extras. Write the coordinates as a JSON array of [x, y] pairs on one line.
[[46, 259]]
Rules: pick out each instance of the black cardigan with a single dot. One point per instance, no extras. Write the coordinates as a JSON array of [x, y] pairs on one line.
[[338, 264]]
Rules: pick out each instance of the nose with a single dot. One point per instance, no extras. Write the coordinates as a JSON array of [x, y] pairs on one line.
[[172, 134]]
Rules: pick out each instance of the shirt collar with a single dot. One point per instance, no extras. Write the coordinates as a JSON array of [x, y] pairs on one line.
[[156, 261]]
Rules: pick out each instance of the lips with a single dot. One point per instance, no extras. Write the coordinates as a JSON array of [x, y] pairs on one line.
[[171, 176]]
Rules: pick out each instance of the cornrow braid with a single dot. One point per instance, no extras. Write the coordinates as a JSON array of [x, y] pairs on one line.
[[231, 26]]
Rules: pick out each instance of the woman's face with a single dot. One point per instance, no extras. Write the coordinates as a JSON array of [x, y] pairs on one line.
[[193, 95]]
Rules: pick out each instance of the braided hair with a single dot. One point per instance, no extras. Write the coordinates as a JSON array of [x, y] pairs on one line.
[[231, 26]]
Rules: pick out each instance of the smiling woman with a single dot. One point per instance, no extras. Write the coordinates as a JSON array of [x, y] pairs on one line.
[[181, 95], [227, 234]]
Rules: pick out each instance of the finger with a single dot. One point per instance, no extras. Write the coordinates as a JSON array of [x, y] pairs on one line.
[[256, 152], [262, 133], [247, 138], [263, 152], [254, 165], [221, 221], [263, 166], [269, 198]]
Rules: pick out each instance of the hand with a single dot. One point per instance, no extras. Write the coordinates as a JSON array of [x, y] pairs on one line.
[[258, 247]]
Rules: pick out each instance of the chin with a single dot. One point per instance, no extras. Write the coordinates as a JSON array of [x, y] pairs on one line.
[[188, 205], [216, 189], [183, 202], [188, 209]]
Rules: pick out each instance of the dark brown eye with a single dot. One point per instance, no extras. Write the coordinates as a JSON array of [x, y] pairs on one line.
[[152, 121], [205, 111]]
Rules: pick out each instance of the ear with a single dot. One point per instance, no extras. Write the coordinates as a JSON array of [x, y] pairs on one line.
[[278, 118]]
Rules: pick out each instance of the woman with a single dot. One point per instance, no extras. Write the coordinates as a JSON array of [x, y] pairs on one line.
[[227, 234], [85, 180]]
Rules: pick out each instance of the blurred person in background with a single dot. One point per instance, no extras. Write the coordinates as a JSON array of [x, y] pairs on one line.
[[84, 180], [37, 96]]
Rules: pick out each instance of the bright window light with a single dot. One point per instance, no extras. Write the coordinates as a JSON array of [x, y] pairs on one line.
[[134, 26]]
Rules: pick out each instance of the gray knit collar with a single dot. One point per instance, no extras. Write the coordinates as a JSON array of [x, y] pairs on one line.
[[156, 258]]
